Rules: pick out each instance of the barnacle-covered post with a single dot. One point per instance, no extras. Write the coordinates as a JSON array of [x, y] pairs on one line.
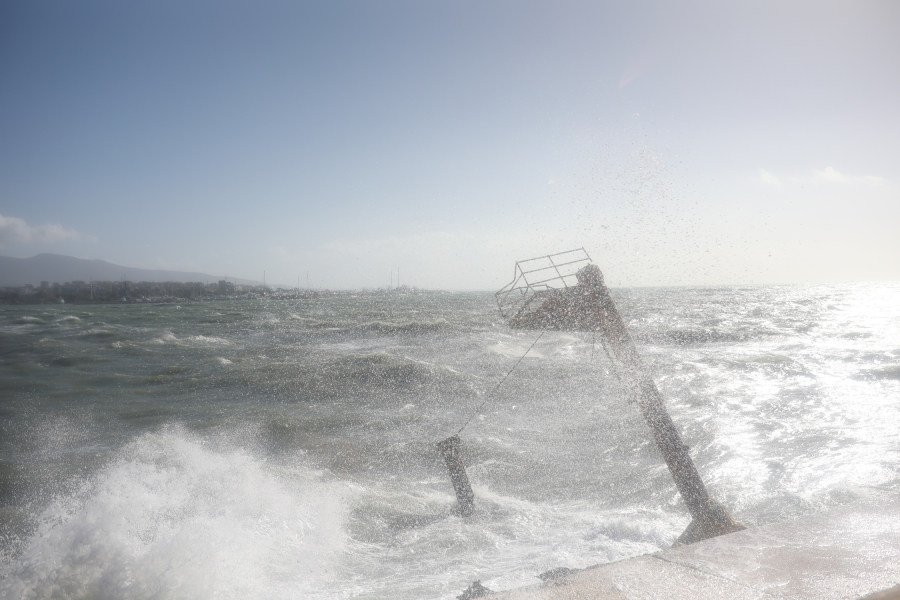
[[569, 294]]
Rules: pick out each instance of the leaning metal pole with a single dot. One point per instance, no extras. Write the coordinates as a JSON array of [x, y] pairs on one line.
[[709, 517], [588, 306]]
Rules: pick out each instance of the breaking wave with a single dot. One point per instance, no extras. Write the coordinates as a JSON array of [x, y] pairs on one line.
[[171, 517]]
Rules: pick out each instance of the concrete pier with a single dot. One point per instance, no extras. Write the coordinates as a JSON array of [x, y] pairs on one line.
[[845, 553]]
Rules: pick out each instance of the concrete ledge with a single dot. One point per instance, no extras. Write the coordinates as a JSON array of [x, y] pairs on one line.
[[845, 553]]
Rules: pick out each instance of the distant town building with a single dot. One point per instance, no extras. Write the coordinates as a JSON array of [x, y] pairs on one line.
[[45, 284], [223, 286]]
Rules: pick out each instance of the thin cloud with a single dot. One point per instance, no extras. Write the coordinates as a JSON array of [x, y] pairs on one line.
[[830, 175], [826, 176], [768, 178], [16, 231]]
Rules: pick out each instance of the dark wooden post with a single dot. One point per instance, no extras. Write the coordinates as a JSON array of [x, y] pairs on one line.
[[450, 450]]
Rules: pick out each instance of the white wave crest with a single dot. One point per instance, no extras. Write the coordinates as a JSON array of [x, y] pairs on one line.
[[173, 519]]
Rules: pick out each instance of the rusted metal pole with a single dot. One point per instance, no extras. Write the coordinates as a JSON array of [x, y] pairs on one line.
[[710, 518], [588, 306], [449, 448]]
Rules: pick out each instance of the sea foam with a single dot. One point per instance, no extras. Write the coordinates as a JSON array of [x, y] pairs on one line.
[[173, 518]]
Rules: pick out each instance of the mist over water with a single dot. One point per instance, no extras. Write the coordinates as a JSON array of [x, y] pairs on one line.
[[283, 449]]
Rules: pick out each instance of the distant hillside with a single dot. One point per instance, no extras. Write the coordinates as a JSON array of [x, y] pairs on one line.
[[55, 267]]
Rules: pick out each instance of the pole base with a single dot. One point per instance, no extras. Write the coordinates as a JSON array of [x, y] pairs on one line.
[[715, 522]]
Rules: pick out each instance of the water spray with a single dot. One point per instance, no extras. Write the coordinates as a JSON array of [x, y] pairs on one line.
[[566, 292]]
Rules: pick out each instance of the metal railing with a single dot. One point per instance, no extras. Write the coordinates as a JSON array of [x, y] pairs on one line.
[[539, 277]]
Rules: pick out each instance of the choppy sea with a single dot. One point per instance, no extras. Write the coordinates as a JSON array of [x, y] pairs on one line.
[[287, 449]]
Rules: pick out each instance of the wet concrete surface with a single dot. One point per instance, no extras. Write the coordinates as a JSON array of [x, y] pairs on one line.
[[844, 553]]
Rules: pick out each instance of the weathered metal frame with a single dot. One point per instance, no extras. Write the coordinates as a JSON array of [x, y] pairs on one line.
[[512, 303], [588, 306]]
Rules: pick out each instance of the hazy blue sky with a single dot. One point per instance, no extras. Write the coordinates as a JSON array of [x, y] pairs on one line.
[[679, 143]]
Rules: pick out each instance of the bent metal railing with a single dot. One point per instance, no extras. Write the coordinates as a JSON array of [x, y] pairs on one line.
[[538, 278]]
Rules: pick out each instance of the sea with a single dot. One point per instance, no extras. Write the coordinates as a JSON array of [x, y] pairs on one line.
[[288, 448]]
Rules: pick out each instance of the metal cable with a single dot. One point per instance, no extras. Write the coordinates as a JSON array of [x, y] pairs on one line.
[[488, 395]]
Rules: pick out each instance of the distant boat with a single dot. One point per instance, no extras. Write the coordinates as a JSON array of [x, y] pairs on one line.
[[60, 301]]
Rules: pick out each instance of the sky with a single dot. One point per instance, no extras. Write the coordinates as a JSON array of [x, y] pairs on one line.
[[679, 143]]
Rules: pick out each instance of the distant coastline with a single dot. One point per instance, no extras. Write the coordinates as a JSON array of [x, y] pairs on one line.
[[56, 279], [20, 272]]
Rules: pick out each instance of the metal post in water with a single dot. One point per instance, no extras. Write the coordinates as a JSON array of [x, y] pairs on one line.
[[710, 518], [588, 306], [449, 448]]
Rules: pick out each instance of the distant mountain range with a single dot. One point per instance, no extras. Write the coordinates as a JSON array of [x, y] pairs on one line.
[[58, 268]]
